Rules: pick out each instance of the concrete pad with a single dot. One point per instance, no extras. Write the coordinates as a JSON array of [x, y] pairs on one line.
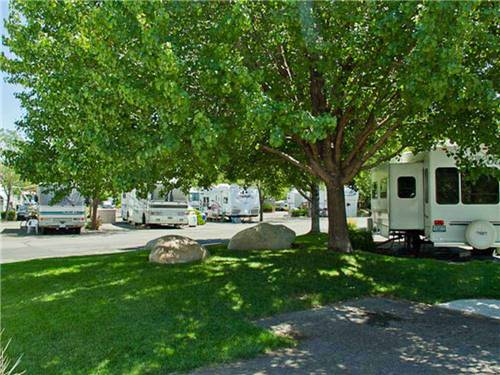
[[485, 307], [377, 336]]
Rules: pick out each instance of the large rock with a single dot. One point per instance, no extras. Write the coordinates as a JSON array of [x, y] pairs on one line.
[[175, 249], [263, 236]]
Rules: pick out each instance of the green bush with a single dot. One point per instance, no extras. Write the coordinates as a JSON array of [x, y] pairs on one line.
[[199, 218], [299, 212], [361, 239], [9, 215], [267, 207]]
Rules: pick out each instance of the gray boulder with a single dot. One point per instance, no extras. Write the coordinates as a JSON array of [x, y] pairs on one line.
[[175, 249], [263, 236]]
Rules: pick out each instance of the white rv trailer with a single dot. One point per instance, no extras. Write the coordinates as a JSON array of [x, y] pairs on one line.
[[351, 197], [66, 214], [295, 200], [195, 197], [232, 201], [160, 207], [425, 194]]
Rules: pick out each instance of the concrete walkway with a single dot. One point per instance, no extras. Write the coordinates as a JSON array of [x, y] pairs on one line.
[[377, 336], [485, 307]]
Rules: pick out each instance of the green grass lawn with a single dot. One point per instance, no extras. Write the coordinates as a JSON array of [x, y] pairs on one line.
[[119, 314]]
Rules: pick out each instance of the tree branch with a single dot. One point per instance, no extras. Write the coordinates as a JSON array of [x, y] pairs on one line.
[[286, 157], [358, 162], [383, 159], [303, 193]]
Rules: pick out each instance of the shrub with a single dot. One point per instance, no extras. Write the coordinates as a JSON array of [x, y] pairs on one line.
[[9, 215], [361, 239], [199, 218], [299, 212], [267, 207]]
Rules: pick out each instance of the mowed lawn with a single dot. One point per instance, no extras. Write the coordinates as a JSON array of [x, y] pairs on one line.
[[119, 314]]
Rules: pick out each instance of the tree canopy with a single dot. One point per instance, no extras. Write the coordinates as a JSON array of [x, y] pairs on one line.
[[332, 88]]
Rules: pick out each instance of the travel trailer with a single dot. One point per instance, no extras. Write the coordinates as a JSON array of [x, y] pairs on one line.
[[161, 207], [195, 196], [295, 200], [66, 214], [351, 197], [426, 195], [232, 202]]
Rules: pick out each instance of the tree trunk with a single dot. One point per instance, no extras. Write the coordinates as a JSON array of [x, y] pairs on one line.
[[94, 224], [9, 193], [338, 236], [261, 203], [314, 209]]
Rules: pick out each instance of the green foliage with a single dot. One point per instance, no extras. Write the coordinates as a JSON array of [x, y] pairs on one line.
[[361, 239], [105, 311], [9, 215], [199, 218], [120, 95], [299, 212], [267, 207]]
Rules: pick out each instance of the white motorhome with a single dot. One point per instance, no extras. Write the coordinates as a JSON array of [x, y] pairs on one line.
[[426, 195], [295, 200], [232, 201], [160, 207], [351, 197], [67, 213], [195, 197]]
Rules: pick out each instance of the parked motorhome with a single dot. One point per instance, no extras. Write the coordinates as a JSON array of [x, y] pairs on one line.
[[232, 201], [67, 213], [160, 207], [426, 195], [351, 197], [195, 197], [295, 200]]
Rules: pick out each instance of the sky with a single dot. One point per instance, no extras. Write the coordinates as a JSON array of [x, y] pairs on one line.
[[10, 108]]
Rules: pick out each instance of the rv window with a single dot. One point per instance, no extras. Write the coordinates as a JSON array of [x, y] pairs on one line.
[[446, 185], [407, 187], [226, 200], [374, 190], [383, 188], [484, 190]]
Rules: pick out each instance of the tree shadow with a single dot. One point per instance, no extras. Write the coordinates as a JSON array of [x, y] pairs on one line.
[[114, 313]]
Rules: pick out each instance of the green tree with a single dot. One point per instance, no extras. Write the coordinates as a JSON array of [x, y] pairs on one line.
[[338, 87], [96, 107]]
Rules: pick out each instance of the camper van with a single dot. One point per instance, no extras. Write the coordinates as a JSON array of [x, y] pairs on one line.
[[160, 207], [351, 197], [426, 195], [66, 214], [232, 202], [295, 200]]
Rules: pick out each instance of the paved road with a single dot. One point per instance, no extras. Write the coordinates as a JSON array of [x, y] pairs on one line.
[[17, 246], [377, 336]]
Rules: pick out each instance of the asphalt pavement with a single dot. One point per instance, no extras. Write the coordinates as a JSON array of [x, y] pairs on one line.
[[17, 246], [377, 336]]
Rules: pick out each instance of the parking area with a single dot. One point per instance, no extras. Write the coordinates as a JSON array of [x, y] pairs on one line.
[[16, 245]]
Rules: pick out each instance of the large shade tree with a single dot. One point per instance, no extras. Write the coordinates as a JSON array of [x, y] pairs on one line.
[[337, 87], [96, 109], [330, 87]]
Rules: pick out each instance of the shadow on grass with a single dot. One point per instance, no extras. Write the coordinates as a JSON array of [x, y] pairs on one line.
[[120, 314]]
